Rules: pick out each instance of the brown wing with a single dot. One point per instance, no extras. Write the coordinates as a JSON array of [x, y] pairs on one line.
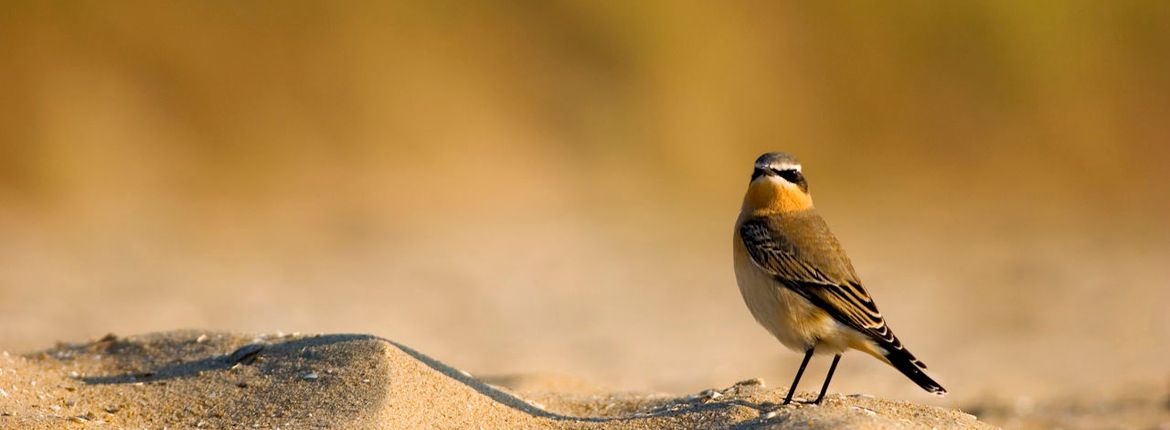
[[800, 252]]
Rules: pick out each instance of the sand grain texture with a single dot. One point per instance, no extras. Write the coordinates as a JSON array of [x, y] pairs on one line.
[[191, 379]]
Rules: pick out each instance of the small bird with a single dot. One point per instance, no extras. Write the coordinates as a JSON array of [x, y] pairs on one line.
[[798, 282]]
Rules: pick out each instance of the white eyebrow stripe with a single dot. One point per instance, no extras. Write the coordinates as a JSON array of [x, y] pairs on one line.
[[784, 166]]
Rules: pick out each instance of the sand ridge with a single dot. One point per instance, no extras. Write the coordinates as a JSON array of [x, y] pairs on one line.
[[193, 379]]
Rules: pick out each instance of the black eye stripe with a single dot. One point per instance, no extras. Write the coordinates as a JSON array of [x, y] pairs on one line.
[[790, 175]]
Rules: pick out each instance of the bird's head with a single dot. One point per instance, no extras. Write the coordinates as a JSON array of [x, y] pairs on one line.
[[777, 186]]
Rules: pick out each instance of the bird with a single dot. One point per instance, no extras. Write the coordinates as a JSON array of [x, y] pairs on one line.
[[798, 282]]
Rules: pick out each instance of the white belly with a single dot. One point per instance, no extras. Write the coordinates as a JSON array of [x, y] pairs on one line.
[[792, 319]]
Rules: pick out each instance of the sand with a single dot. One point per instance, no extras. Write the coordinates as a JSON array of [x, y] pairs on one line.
[[193, 379]]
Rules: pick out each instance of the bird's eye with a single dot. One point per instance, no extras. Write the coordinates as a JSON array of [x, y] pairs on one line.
[[757, 173], [790, 175]]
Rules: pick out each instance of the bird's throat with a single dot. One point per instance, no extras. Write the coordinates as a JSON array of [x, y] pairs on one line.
[[769, 197]]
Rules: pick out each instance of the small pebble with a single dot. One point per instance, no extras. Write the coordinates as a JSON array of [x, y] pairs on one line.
[[202, 338], [246, 354], [310, 376], [111, 408], [863, 410], [707, 395]]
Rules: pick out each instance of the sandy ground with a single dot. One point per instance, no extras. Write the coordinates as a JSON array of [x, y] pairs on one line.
[[968, 311], [679, 328], [191, 379]]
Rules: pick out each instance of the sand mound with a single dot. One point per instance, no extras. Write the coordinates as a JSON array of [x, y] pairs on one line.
[[192, 379]]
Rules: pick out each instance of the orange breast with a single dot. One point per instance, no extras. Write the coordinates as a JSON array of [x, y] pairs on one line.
[[766, 197]]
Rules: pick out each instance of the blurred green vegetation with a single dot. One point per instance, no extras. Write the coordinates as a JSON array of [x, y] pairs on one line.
[[214, 104]]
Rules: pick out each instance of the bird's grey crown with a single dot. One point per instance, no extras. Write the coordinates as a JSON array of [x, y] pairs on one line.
[[778, 160]]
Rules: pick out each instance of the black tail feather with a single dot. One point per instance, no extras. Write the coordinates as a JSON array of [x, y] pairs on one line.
[[905, 362]]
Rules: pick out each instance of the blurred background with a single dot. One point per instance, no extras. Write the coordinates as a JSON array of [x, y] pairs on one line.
[[550, 187]]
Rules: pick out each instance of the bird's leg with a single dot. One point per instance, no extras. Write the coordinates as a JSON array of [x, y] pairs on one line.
[[829, 377], [792, 389]]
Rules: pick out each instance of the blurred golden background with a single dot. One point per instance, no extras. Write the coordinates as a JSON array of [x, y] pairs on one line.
[[518, 187]]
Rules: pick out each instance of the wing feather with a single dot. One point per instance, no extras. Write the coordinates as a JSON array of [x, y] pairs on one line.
[[816, 268]]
